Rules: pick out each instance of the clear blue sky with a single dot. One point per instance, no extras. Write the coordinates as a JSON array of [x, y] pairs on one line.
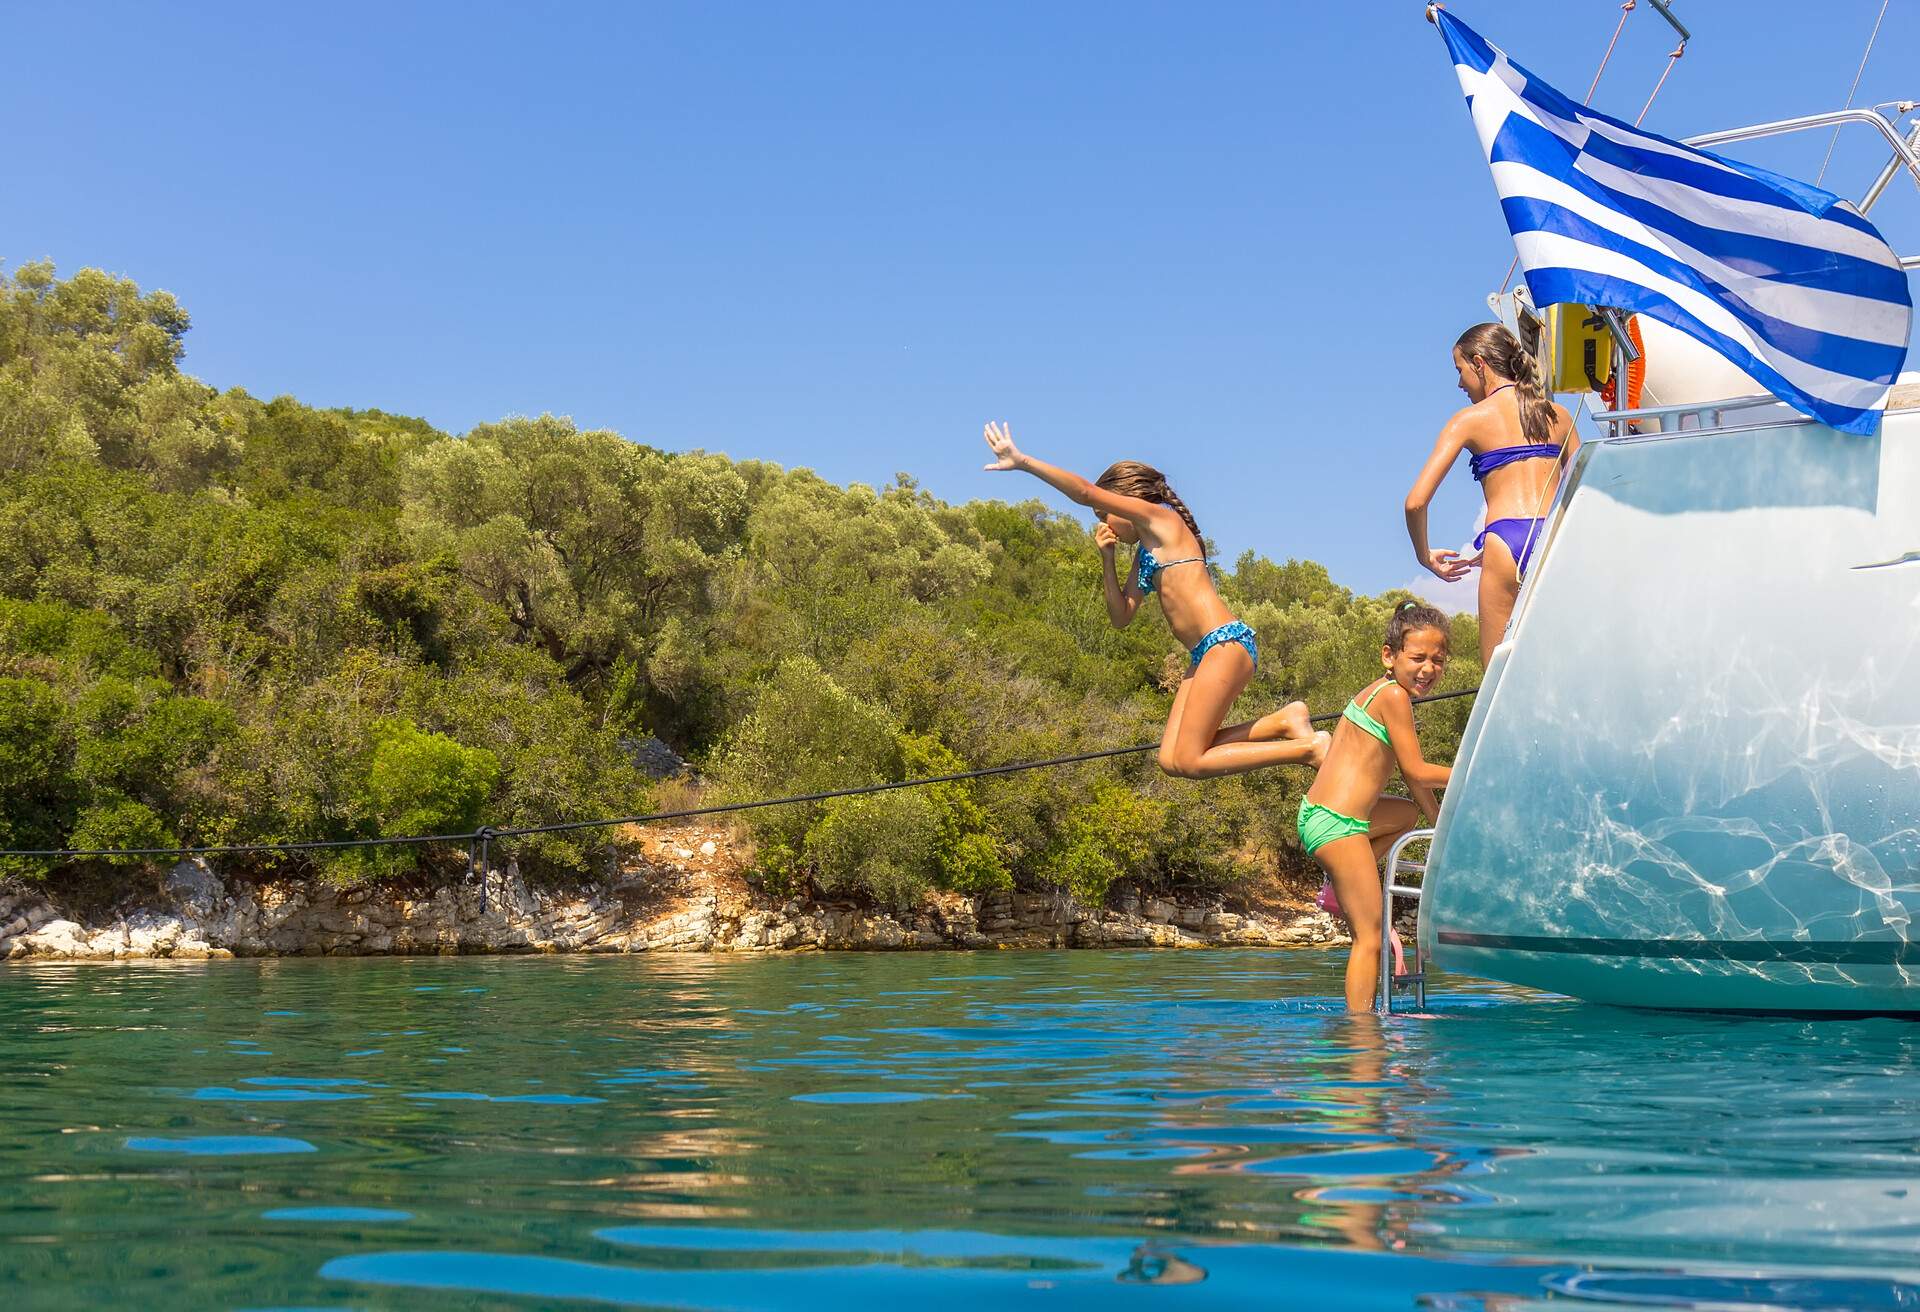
[[1234, 240]]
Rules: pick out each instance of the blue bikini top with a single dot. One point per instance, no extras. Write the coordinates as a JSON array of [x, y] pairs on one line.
[[1145, 567], [1506, 455]]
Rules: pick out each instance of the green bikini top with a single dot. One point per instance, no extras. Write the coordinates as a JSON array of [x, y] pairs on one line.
[[1357, 712]]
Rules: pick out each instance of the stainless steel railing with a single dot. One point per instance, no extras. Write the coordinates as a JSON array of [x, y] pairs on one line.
[[1906, 150], [1905, 156]]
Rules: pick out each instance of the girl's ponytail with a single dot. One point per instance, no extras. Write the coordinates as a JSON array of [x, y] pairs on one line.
[[1180, 508], [1130, 478], [1501, 349], [1536, 411]]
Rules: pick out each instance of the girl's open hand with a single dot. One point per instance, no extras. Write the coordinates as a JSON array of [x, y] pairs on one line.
[[1448, 565], [1000, 440], [1104, 537]]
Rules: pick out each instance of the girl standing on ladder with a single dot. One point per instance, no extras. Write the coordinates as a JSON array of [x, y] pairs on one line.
[[1136, 506], [1519, 440], [1346, 822]]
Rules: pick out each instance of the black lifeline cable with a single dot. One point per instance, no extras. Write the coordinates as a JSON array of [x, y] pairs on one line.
[[486, 835]]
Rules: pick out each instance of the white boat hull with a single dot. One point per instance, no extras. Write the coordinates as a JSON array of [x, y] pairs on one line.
[[1692, 778]]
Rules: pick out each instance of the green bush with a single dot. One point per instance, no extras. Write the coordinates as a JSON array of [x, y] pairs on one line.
[[120, 822], [425, 783], [1108, 837], [965, 853], [415, 783], [881, 845], [38, 794], [805, 734]]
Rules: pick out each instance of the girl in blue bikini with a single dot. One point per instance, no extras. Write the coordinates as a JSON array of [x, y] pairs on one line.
[[1136, 506], [1519, 441]]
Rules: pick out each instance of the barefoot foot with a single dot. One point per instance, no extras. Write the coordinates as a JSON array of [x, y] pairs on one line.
[[1296, 720], [1290, 721], [1321, 742]]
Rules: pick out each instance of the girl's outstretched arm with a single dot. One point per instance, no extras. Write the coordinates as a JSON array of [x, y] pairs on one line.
[[1395, 710], [1123, 599], [1446, 449], [1069, 485]]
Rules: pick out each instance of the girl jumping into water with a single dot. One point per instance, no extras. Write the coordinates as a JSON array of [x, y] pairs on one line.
[[1136, 506], [1346, 823], [1519, 440]]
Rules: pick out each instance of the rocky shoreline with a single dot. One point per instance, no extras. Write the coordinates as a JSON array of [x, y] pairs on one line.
[[687, 893]]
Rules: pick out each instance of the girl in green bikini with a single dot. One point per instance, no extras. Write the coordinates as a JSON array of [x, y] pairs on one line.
[[1346, 823]]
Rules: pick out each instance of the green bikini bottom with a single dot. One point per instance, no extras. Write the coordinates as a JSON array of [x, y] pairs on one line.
[[1320, 825]]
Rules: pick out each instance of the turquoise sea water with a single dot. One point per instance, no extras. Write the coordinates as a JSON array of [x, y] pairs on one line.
[[952, 1130]]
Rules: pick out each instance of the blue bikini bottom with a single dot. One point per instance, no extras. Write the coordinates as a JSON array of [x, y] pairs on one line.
[[1231, 631]]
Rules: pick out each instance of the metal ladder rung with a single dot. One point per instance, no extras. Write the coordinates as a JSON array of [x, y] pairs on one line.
[[1390, 888]]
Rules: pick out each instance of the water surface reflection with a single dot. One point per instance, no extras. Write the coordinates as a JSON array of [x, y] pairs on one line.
[[1064, 1128]]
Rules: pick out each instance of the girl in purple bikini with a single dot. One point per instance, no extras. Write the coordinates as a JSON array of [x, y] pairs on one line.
[[1519, 440]]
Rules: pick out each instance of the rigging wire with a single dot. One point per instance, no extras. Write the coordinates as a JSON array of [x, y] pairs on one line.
[[1626, 7], [1672, 58], [1853, 90]]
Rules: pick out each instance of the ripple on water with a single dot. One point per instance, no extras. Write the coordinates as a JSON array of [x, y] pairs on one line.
[[536, 1099], [1383, 1163], [221, 1145], [366, 1214], [973, 1244], [220, 1093], [302, 1081], [941, 1270], [1161, 1153], [868, 1097], [1759, 1293]]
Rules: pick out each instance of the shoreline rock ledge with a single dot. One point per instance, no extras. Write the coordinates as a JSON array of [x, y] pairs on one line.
[[687, 893]]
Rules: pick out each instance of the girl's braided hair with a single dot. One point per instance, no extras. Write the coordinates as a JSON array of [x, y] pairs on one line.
[[1502, 350], [1130, 478]]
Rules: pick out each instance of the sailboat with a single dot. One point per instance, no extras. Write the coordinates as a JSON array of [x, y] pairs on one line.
[[1691, 778]]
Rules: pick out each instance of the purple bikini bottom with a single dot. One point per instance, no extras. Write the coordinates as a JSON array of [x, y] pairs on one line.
[[1520, 535]]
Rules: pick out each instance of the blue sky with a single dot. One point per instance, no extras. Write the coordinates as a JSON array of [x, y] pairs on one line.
[[1234, 240]]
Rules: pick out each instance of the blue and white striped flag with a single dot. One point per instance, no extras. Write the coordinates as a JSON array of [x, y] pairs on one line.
[[1787, 281]]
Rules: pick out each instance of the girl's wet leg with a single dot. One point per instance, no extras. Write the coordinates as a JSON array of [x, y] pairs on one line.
[[1350, 864], [1392, 817], [1499, 588]]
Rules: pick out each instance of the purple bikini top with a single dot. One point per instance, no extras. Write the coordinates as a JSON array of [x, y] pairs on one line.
[[1506, 455]]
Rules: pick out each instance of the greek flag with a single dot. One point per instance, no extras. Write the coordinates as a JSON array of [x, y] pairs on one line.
[[1787, 281]]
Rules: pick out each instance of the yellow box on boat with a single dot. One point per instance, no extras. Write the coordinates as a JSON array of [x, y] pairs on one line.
[[1580, 349]]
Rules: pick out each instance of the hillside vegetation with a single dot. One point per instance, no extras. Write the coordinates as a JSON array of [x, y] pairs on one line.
[[229, 620]]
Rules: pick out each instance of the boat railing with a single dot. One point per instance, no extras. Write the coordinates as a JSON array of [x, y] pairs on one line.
[[1414, 979], [1674, 419], [1710, 415], [1906, 150]]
